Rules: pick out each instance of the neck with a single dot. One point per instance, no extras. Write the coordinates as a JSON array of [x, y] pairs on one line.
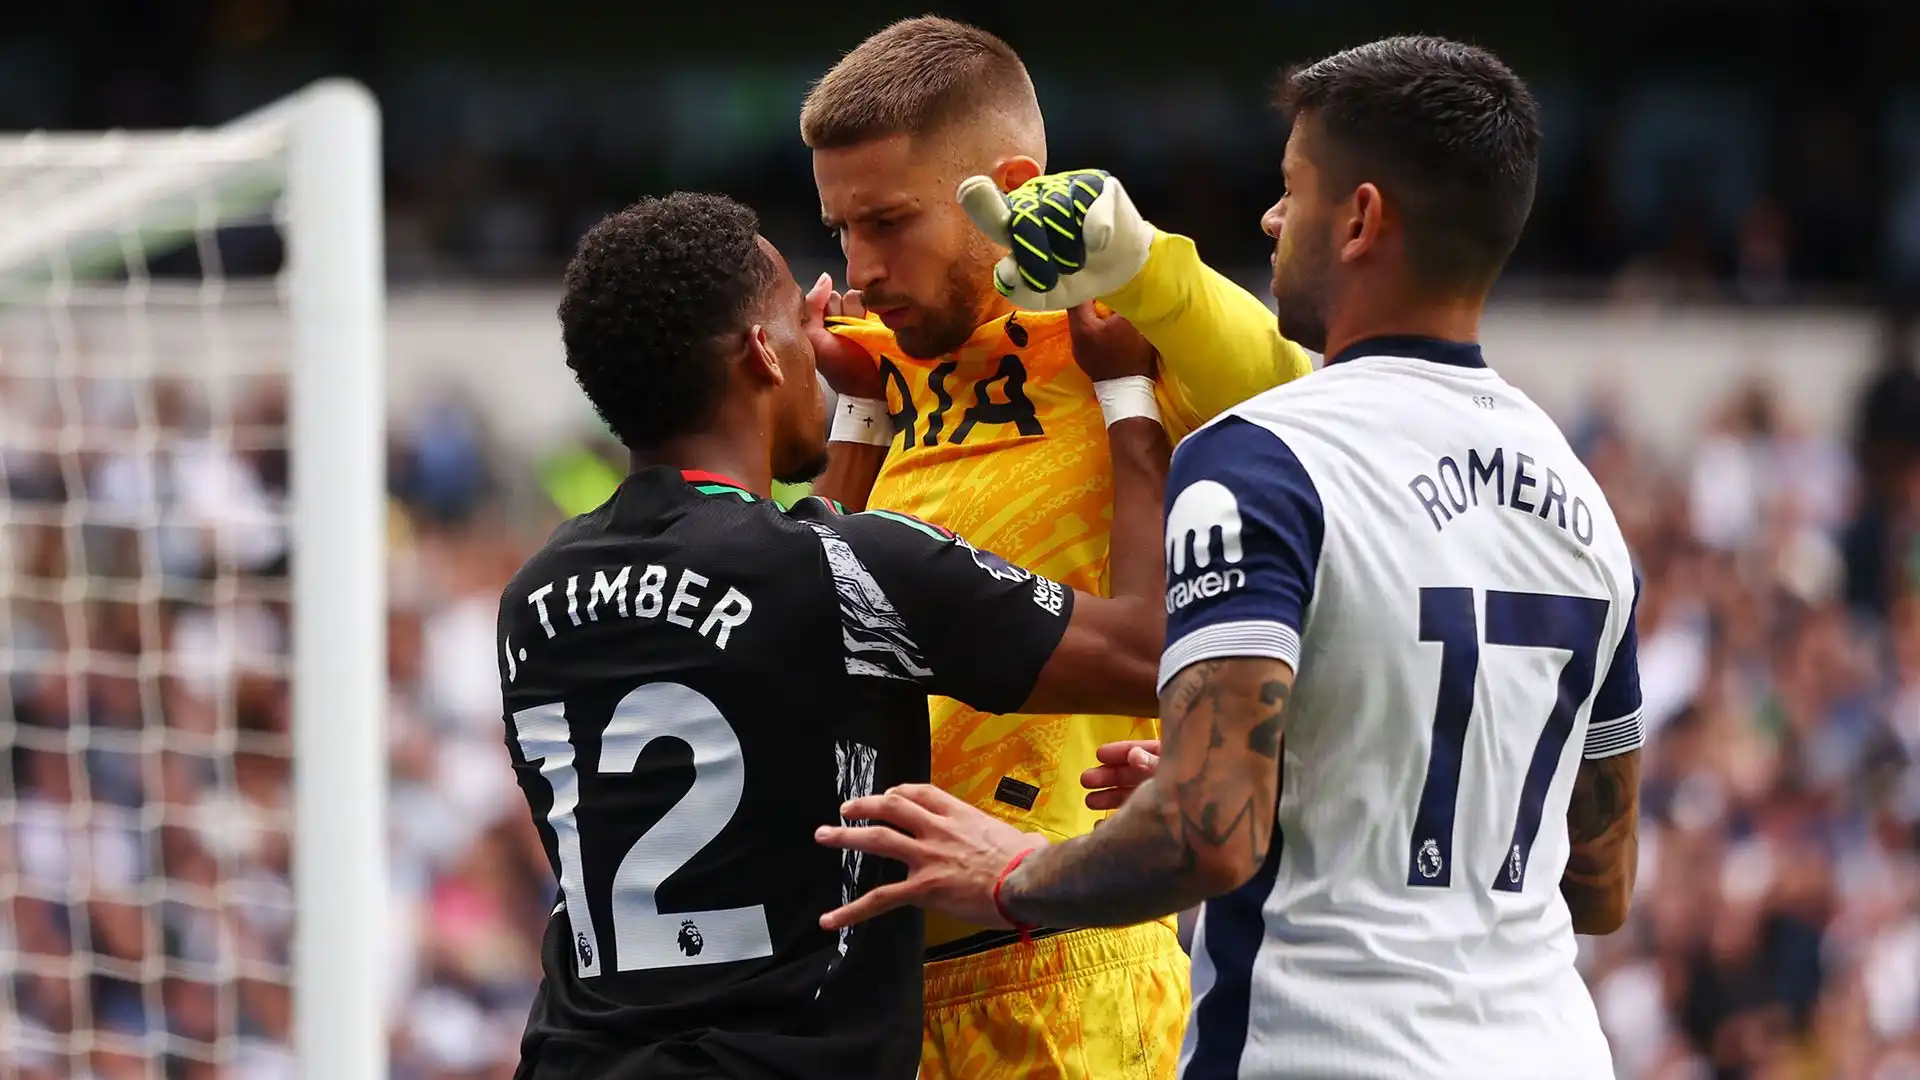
[[992, 306], [740, 462], [1383, 312]]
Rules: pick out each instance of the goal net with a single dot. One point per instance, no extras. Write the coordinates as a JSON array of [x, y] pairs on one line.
[[192, 645]]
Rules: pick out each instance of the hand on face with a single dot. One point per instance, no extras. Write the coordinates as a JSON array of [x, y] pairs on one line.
[[848, 368]]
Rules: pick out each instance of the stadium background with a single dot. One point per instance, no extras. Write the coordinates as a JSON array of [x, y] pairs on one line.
[[1714, 296]]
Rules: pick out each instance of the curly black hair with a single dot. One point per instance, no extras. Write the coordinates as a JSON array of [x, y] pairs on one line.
[[652, 293]]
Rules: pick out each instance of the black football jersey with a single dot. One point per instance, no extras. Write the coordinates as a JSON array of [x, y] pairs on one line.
[[695, 680]]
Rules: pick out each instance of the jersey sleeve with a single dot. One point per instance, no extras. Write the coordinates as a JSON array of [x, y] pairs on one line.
[[1219, 344], [1244, 530], [920, 603], [1617, 725]]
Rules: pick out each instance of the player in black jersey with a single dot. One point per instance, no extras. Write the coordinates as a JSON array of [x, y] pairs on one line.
[[695, 680]]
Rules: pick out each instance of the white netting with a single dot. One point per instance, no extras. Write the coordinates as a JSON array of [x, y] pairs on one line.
[[145, 898]]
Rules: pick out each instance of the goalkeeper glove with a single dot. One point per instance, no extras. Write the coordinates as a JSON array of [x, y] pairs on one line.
[[1075, 236]]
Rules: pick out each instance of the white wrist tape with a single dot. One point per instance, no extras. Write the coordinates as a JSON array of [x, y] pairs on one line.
[[1127, 397], [861, 420]]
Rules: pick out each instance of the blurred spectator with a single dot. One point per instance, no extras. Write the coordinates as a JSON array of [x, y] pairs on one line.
[[440, 463], [1880, 548]]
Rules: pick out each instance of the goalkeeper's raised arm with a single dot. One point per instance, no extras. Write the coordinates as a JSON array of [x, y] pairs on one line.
[[1076, 236]]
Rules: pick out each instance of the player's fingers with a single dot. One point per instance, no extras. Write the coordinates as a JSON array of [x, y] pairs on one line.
[[1032, 244], [1063, 228], [892, 808], [980, 197], [853, 305], [1108, 799], [1083, 188], [874, 902], [1006, 276], [872, 839], [937, 800], [1119, 753], [1143, 762], [1131, 775]]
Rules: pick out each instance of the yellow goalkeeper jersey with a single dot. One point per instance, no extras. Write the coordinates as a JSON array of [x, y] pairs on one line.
[[1002, 442]]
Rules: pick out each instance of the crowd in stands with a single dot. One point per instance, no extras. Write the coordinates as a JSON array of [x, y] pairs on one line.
[[145, 903]]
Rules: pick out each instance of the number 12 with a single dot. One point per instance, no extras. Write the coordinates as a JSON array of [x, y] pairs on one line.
[[643, 935], [1521, 620]]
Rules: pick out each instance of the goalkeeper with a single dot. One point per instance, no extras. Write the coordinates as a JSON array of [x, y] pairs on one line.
[[959, 409]]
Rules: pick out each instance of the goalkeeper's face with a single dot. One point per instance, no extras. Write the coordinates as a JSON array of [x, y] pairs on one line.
[[918, 261]]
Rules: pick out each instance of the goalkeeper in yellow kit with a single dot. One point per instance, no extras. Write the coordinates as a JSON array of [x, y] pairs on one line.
[[964, 411]]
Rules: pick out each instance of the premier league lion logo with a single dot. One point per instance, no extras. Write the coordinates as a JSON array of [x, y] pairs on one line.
[[1430, 862], [690, 941]]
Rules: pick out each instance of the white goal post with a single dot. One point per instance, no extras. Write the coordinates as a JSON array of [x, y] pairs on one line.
[[119, 520]]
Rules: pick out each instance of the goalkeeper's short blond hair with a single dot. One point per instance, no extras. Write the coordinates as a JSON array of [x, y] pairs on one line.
[[925, 77]]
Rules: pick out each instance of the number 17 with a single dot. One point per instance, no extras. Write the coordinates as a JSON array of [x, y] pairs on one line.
[[1521, 620]]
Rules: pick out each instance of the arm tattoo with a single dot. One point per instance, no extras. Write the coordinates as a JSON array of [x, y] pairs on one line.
[[1603, 825], [1206, 818]]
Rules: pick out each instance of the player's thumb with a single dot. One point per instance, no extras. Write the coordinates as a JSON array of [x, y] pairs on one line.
[[817, 300], [818, 296], [980, 197], [1139, 758]]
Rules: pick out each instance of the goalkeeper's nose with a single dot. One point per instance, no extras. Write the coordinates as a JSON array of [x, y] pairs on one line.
[[865, 266]]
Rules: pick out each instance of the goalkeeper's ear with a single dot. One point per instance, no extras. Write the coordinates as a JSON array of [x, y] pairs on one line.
[[1010, 173]]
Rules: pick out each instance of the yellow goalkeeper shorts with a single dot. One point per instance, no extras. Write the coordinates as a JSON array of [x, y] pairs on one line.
[[1092, 1004]]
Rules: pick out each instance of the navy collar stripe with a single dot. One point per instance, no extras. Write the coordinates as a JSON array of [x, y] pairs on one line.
[[1464, 354]]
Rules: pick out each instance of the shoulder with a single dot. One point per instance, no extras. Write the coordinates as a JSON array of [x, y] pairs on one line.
[[553, 555], [905, 549], [824, 515], [1328, 388], [1254, 442], [866, 537], [1235, 472], [890, 535], [1296, 404]]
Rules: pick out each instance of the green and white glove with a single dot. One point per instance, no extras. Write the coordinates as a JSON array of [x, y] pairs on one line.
[[1075, 236]]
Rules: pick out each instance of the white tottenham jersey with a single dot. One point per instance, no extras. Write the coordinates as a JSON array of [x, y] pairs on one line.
[[1417, 540]]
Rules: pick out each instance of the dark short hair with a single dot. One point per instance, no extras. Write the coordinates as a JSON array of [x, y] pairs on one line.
[[653, 293], [1447, 131]]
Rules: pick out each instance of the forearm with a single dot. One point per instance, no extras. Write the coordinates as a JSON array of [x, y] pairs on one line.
[[1598, 893], [1218, 343], [1136, 564], [1603, 827], [1200, 828], [851, 470], [1133, 868]]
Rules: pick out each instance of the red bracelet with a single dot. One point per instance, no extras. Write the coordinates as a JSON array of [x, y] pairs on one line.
[[1026, 929]]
